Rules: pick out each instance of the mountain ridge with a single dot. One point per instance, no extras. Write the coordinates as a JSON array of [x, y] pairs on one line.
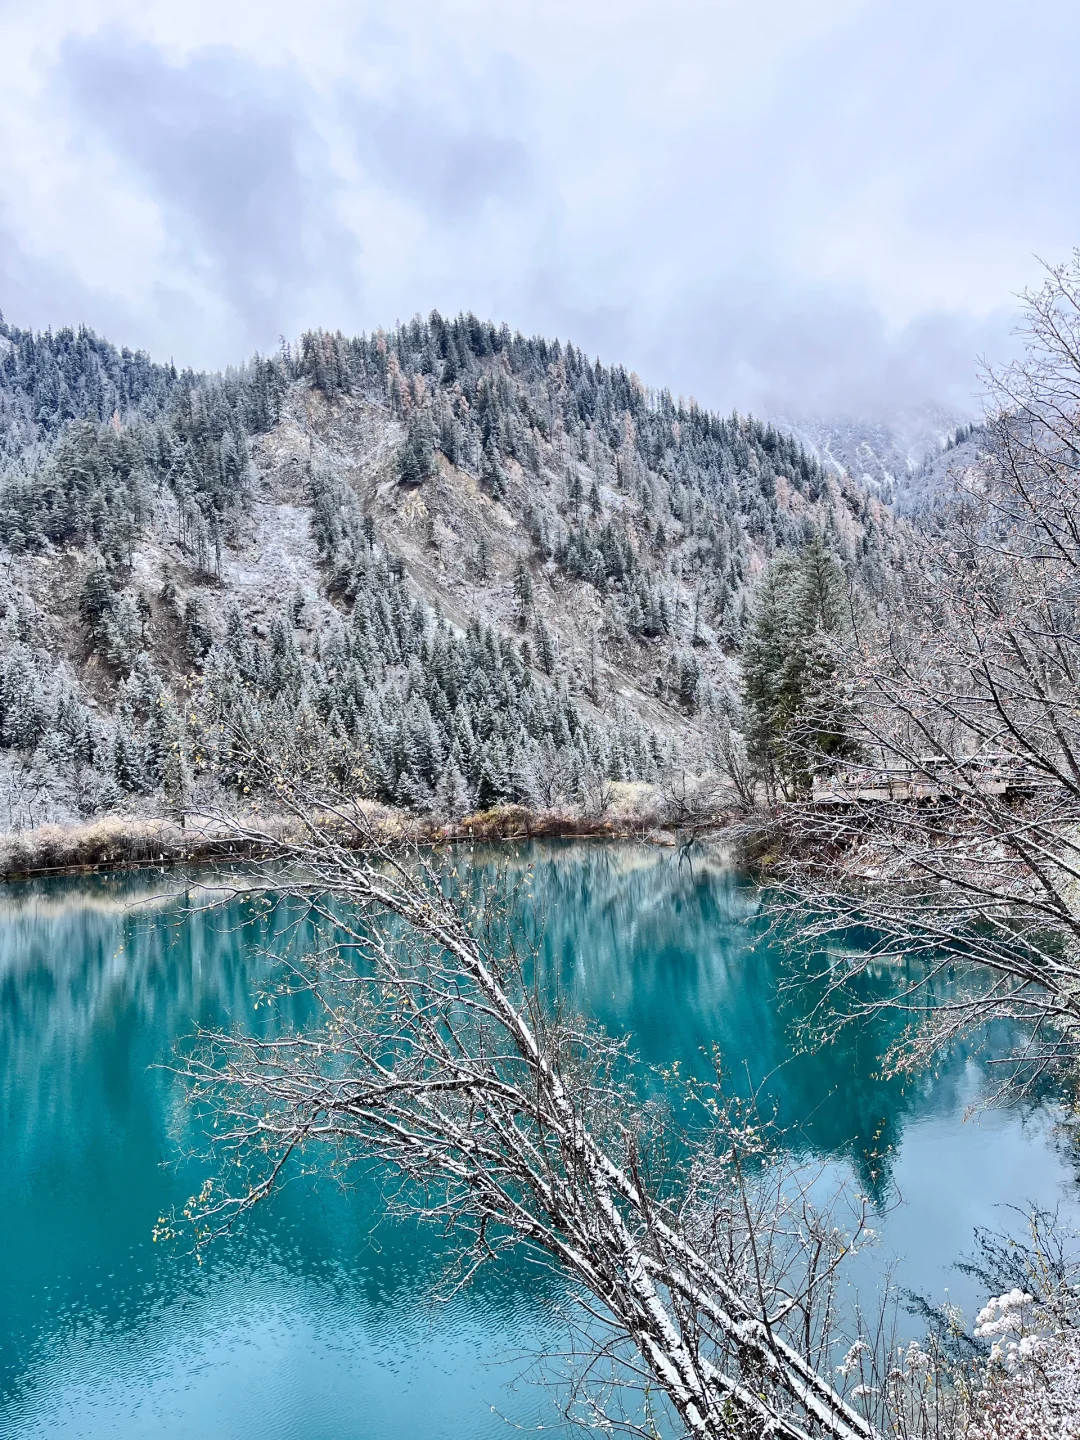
[[909, 461], [335, 523]]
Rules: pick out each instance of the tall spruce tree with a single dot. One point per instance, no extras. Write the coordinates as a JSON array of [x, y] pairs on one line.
[[794, 722], [418, 453]]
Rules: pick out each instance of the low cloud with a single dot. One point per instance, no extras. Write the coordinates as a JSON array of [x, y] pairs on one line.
[[778, 350], [450, 170]]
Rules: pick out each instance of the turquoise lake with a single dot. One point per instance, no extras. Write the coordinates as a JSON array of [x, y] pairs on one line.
[[314, 1322]]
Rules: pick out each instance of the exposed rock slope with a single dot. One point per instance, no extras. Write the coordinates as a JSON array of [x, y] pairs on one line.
[[481, 568]]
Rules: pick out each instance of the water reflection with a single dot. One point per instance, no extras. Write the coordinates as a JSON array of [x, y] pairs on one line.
[[313, 1321], [674, 953]]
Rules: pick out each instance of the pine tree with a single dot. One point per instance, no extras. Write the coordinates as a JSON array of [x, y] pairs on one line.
[[452, 792], [96, 599], [176, 779], [197, 636], [793, 717], [689, 681], [491, 471], [482, 559], [125, 762], [23, 712], [545, 646], [523, 591], [417, 462], [495, 785], [124, 632]]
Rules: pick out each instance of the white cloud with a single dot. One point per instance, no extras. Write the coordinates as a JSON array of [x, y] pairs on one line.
[[823, 206]]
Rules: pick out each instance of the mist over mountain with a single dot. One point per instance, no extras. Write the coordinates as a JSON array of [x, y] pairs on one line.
[[909, 460]]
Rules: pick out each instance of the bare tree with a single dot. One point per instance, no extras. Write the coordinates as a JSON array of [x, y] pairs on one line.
[[733, 763], [963, 825], [701, 1274], [692, 801]]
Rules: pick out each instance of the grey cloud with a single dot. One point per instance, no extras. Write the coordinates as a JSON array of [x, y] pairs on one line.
[[693, 249], [449, 169], [229, 152], [824, 353], [777, 348], [36, 294]]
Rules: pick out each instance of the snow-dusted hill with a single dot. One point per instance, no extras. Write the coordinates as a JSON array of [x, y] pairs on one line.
[[486, 565], [907, 460]]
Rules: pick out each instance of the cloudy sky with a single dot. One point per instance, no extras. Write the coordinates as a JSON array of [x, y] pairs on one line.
[[766, 203]]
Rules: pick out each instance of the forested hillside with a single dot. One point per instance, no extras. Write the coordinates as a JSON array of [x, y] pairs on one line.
[[446, 565]]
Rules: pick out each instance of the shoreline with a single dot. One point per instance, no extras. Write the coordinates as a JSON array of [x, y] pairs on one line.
[[133, 842]]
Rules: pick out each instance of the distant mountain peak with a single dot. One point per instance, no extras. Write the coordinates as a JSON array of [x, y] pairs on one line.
[[905, 459]]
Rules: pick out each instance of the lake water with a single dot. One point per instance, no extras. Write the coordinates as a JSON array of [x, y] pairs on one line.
[[315, 1322]]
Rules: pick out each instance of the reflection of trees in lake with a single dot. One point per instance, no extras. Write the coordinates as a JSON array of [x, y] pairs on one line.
[[675, 953], [648, 942], [93, 992], [93, 997]]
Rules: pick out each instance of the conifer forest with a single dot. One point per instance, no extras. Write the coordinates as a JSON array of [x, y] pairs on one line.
[[450, 565]]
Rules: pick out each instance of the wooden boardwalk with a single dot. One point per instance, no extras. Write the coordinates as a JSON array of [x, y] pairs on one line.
[[931, 778]]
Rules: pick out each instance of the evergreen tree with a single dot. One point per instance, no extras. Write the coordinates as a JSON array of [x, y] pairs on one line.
[[523, 591], [125, 632], [176, 778], [197, 636], [545, 646], [688, 681], [125, 762], [452, 792], [495, 783], [482, 559], [96, 600], [417, 462], [793, 716], [491, 471]]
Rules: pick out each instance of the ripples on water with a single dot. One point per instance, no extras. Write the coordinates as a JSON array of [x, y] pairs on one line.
[[314, 1321]]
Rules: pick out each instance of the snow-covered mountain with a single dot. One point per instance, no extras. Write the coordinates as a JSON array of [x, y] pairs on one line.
[[448, 555], [907, 460]]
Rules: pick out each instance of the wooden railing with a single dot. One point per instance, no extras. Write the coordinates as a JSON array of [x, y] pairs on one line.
[[929, 778]]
